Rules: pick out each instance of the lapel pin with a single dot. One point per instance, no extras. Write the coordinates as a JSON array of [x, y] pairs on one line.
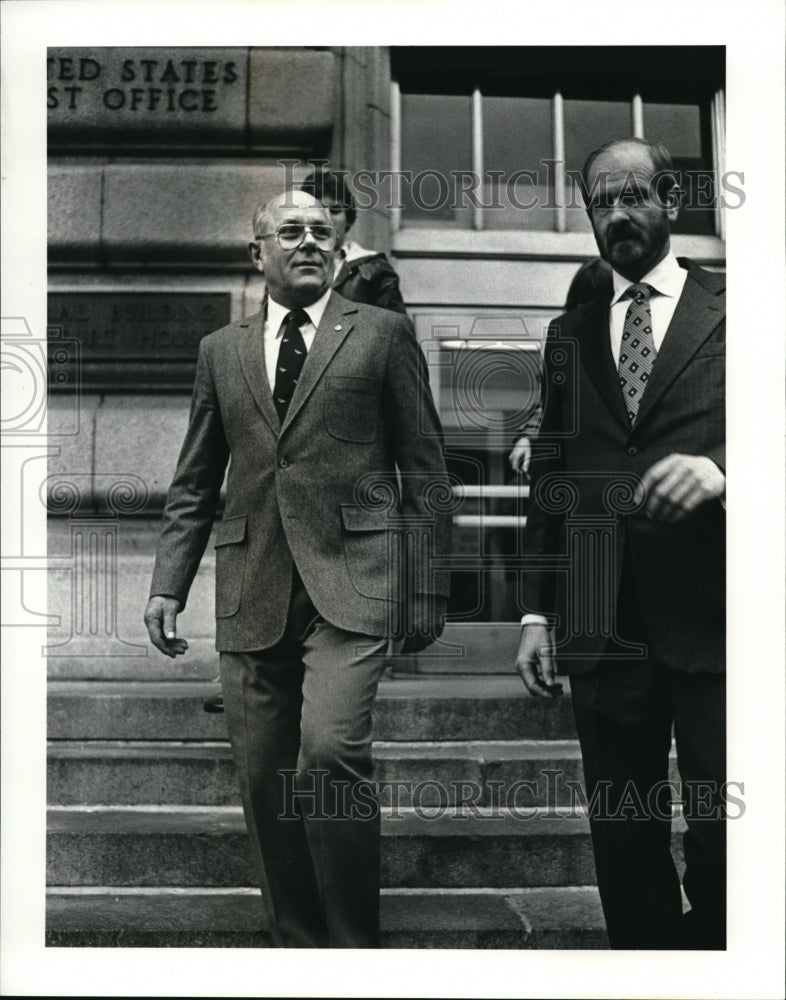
[[337, 326]]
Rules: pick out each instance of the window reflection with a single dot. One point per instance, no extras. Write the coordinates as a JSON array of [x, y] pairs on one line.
[[436, 141], [685, 131], [513, 122], [518, 135]]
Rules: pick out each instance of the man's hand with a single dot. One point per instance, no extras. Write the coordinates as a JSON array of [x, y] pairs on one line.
[[677, 484], [520, 455], [535, 662], [161, 620], [426, 622]]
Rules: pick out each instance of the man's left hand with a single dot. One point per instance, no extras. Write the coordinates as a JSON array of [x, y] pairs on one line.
[[677, 484], [426, 622]]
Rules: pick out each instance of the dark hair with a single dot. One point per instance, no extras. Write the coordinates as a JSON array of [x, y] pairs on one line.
[[327, 186], [592, 278], [662, 164]]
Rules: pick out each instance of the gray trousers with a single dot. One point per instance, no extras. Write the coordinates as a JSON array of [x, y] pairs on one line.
[[299, 720]]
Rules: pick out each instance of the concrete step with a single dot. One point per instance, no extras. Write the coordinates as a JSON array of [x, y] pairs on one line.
[[177, 773], [464, 647], [493, 707], [118, 917], [435, 847]]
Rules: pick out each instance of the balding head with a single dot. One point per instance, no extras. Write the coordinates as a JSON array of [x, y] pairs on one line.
[[265, 212], [632, 200], [298, 276], [633, 151]]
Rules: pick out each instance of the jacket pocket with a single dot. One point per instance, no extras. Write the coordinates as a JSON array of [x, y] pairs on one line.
[[352, 408], [371, 559], [230, 564]]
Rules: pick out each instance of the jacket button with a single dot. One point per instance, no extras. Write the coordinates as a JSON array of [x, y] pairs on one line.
[[633, 451], [283, 463]]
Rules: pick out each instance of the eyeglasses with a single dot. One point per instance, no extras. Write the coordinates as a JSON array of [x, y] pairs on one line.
[[291, 235]]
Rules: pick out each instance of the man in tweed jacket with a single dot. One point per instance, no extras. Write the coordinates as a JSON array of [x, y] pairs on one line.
[[316, 573]]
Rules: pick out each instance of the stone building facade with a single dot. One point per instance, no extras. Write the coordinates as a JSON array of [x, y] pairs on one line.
[[464, 164]]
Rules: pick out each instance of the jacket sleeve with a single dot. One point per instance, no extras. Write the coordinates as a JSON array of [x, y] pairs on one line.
[[718, 456], [543, 529], [374, 281], [529, 425], [383, 285], [194, 494], [416, 438]]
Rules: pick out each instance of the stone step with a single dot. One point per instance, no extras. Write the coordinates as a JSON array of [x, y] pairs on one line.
[[494, 707], [177, 773], [171, 917], [464, 648], [434, 847]]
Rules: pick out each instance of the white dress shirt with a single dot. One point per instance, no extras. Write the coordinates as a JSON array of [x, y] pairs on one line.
[[273, 330]]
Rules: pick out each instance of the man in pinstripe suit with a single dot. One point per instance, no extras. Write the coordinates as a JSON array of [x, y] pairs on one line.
[[634, 402]]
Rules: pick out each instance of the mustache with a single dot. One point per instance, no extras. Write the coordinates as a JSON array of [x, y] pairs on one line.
[[622, 231]]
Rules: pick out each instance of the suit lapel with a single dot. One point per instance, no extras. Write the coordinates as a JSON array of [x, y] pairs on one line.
[[337, 321], [696, 316], [252, 362], [595, 347]]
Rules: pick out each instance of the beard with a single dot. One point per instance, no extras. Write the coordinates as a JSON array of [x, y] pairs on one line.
[[634, 250], [630, 249]]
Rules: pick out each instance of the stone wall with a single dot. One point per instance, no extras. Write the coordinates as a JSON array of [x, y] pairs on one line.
[[157, 160]]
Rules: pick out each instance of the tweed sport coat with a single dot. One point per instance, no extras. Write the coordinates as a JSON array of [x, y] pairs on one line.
[[357, 464], [590, 459]]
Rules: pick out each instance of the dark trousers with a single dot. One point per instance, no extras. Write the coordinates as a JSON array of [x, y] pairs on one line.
[[299, 720], [625, 712]]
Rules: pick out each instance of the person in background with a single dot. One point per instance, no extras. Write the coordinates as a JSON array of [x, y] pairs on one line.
[[360, 275], [592, 278]]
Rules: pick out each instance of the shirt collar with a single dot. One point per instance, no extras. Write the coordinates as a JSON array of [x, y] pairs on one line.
[[352, 250], [276, 312], [666, 278]]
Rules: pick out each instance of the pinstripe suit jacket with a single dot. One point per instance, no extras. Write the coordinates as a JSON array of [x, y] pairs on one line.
[[581, 512]]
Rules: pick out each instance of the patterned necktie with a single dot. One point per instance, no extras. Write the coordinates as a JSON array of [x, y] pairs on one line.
[[291, 356], [637, 350]]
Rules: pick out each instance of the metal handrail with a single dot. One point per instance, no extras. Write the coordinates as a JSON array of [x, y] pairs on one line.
[[489, 520], [491, 492]]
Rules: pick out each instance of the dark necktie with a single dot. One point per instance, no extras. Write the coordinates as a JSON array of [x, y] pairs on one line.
[[637, 350], [291, 356]]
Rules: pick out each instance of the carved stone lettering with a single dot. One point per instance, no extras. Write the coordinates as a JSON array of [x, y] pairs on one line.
[[169, 92], [140, 340]]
